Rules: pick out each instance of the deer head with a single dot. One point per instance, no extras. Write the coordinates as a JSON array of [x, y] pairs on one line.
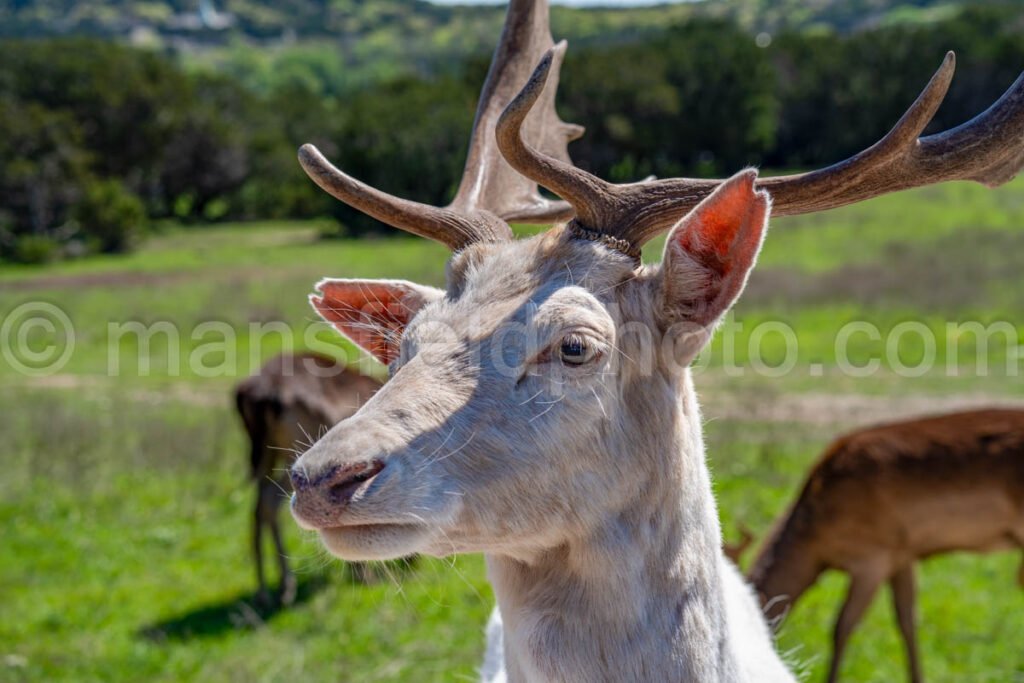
[[519, 414], [505, 422]]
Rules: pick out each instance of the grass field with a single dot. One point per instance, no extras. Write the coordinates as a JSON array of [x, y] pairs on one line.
[[124, 503]]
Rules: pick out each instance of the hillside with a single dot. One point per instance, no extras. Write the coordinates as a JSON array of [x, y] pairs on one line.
[[337, 46], [442, 26]]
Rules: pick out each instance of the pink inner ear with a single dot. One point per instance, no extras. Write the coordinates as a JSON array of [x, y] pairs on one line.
[[371, 314], [716, 231], [709, 254]]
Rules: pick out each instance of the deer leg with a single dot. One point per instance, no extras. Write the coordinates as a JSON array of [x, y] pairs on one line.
[[1019, 536], [858, 597], [1016, 535], [288, 584], [903, 600], [257, 545]]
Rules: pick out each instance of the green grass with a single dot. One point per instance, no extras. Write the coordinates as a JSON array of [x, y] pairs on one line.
[[125, 529], [125, 547], [272, 245], [124, 503]]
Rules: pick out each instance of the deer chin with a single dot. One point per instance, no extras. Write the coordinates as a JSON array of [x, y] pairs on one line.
[[363, 542], [361, 534]]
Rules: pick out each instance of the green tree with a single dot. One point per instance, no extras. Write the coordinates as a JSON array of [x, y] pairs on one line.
[[698, 99], [112, 218]]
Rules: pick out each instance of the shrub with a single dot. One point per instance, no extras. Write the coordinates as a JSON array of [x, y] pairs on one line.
[[34, 249], [110, 217]]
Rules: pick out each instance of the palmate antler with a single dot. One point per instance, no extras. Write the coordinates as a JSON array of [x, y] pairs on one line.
[[491, 193], [987, 149]]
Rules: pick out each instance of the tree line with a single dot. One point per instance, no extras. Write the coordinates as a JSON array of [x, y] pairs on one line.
[[100, 140]]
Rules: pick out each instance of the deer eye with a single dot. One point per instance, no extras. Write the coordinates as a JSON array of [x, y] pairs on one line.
[[575, 350]]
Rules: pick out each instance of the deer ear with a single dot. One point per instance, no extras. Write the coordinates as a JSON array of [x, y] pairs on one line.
[[709, 254], [372, 313]]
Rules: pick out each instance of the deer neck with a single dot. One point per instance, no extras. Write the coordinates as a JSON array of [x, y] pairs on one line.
[[639, 598], [788, 563]]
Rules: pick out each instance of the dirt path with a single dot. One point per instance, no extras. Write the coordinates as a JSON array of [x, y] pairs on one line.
[[182, 391], [814, 408], [134, 278]]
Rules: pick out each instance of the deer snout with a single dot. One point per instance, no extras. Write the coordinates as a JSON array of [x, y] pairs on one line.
[[320, 497]]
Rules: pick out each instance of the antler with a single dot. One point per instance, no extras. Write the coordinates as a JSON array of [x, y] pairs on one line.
[[491, 193], [987, 149]]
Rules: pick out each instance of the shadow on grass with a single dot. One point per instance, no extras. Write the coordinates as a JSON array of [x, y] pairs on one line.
[[251, 610], [242, 612]]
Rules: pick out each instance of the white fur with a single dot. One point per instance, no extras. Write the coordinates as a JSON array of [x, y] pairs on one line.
[[760, 662], [493, 669]]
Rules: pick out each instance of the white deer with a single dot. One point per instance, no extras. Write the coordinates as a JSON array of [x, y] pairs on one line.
[[541, 410]]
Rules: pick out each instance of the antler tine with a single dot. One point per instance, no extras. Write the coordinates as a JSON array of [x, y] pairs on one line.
[[822, 189], [618, 211], [587, 193], [988, 149], [972, 152], [662, 203], [453, 229]]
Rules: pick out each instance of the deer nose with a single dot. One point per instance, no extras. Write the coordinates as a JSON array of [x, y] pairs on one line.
[[335, 485]]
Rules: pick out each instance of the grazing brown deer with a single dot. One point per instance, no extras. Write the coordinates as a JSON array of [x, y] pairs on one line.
[[541, 409], [881, 499], [292, 400]]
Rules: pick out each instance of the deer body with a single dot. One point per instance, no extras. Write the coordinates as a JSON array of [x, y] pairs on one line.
[[291, 400], [883, 498]]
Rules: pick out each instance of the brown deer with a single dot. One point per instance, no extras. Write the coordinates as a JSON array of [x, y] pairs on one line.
[[880, 499], [293, 399], [541, 408]]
